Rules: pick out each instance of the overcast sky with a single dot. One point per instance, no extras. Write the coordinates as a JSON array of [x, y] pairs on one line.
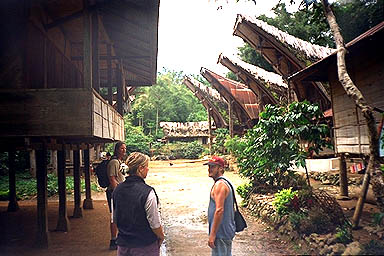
[[192, 33]]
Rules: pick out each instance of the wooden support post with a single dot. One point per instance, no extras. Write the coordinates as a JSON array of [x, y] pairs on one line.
[[209, 110], [42, 238], [32, 163], [77, 212], [361, 200], [87, 204], [95, 51], [230, 122], [109, 74], [343, 179], [13, 206], [120, 87], [87, 48], [53, 160], [63, 222]]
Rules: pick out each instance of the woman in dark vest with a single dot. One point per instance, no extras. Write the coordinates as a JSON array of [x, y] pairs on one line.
[[136, 212]]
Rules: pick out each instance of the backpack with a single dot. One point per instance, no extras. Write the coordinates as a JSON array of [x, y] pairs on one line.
[[102, 174]]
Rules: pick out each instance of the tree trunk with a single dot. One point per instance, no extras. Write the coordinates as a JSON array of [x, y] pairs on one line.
[[353, 92]]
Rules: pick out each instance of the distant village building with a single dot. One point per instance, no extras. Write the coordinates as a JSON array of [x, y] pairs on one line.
[[186, 132]]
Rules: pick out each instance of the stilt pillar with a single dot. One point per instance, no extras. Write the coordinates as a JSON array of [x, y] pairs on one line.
[[77, 212], [63, 221], [343, 179], [42, 239], [13, 206], [87, 204]]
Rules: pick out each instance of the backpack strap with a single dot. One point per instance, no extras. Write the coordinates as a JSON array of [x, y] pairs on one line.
[[233, 191]]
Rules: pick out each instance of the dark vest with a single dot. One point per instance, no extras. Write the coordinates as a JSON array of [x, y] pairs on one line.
[[129, 200]]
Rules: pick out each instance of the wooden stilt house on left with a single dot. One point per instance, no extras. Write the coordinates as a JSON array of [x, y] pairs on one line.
[[65, 70]]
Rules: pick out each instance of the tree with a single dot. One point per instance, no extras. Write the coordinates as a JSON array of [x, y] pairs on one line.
[[353, 92], [169, 100], [373, 169]]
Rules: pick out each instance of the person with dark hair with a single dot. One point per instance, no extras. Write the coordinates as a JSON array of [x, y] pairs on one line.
[[136, 212], [114, 171], [220, 210]]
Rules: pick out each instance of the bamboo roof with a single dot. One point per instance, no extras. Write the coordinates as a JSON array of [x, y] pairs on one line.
[[245, 104], [183, 130]]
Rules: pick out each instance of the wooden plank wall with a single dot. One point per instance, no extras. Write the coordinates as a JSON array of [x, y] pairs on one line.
[[107, 122], [349, 124], [45, 112]]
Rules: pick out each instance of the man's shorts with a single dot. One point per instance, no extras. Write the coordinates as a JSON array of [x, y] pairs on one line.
[[109, 199]]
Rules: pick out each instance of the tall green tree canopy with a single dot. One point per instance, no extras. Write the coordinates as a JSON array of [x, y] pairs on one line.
[[169, 100]]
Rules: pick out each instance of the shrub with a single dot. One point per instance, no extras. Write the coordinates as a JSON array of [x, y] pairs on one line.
[[282, 201], [244, 190], [220, 137], [234, 145], [344, 234], [373, 248]]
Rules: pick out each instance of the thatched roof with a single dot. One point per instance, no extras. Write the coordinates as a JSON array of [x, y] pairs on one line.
[[209, 98], [257, 79], [311, 51], [183, 130], [287, 55]]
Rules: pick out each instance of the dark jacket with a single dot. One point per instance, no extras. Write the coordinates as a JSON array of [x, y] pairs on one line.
[[129, 200]]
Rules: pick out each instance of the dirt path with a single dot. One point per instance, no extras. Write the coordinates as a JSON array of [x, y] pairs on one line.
[[183, 189]]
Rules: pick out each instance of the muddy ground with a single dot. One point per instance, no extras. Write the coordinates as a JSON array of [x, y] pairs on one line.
[[183, 189]]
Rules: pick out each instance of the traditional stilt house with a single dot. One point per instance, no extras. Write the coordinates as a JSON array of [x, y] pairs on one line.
[[187, 132], [365, 65], [242, 102], [208, 96], [269, 87], [64, 71], [287, 54]]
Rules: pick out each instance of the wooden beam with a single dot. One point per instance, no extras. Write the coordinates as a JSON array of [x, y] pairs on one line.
[[120, 86], [109, 74], [87, 49], [42, 238], [77, 212], [13, 206], [95, 51], [88, 203], [63, 223]]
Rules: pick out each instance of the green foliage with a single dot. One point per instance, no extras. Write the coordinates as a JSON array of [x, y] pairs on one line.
[[295, 218], [251, 56], [244, 190], [374, 247], [283, 200], [180, 150], [344, 234], [26, 186], [235, 145], [220, 137], [169, 100], [276, 144], [21, 161], [378, 218]]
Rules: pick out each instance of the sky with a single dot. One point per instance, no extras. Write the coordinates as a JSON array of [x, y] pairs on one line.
[[192, 33]]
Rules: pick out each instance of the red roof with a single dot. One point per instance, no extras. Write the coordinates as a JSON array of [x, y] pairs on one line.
[[240, 92]]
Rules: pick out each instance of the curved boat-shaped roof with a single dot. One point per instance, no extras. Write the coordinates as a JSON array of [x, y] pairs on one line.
[[245, 101], [286, 53], [270, 86]]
